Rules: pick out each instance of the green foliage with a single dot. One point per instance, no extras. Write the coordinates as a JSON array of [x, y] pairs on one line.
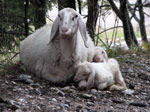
[[12, 19], [146, 46]]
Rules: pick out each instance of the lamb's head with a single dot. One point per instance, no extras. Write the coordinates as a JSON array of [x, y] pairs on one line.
[[67, 24], [100, 55], [83, 72]]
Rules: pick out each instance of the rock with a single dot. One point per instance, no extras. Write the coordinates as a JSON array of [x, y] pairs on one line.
[[54, 99], [147, 69], [35, 85], [130, 71], [128, 92], [64, 105], [131, 86], [67, 101], [24, 77], [90, 104], [79, 107], [29, 81], [88, 96], [66, 88], [18, 110], [37, 91], [85, 110], [133, 55], [93, 91], [129, 61]]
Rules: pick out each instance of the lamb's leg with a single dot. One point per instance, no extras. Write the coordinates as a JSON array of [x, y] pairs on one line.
[[82, 84], [117, 87], [119, 80], [102, 86]]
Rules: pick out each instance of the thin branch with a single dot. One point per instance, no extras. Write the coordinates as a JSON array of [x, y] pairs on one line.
[[110, 29], [114, 7], [132, 11]]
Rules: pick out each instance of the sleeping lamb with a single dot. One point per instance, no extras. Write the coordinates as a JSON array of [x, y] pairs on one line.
[[53, 51], [100, 75]]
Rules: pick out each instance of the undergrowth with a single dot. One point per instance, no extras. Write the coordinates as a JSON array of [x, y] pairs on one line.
[[10, 63]]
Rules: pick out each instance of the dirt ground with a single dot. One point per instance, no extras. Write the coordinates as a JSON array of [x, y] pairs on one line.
[[25, 93]]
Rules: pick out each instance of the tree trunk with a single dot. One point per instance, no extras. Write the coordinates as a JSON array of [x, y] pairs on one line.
[[26, 18], [79, 4], [129, 34], [128, 29], [92, 17], [40, 11], [142, 22], [66, 3]]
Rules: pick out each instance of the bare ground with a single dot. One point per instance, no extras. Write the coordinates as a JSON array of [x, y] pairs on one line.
[[30, 94]]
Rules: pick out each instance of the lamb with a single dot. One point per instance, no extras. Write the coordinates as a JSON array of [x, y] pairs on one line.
[[100, 75], [53, 51], [100, 55]]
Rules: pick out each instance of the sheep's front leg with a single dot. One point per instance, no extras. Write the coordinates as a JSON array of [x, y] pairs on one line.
[[82, 84]]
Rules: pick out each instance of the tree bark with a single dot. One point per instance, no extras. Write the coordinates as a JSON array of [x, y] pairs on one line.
[[66, 3], [79, 3], [92, 17], [26, 18], [142, 22]]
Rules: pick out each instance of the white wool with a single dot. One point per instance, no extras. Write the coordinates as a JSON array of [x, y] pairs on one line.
[[50, 54]]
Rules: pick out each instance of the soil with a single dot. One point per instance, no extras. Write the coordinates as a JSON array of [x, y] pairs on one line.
[[26, 93]]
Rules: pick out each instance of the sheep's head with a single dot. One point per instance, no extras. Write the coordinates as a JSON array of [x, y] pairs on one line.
[[100, 55], [83, 72], [67, 24]]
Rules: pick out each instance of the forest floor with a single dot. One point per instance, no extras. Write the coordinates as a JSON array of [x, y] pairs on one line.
[[20, 93]]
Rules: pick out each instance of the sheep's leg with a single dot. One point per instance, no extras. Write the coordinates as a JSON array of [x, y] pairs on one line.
[[82, 84]]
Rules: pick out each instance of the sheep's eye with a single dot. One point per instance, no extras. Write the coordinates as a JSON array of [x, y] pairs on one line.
[[60, 17], [74, 17], [102, 52]]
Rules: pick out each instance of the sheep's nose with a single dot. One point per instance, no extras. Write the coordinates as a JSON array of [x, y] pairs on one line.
[[98, 59], [64, 29], [75, 79]]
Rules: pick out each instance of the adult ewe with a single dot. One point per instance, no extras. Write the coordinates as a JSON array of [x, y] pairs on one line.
[[53, 51]]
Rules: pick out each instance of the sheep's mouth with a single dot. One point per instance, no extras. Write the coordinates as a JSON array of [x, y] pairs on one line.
[[65, 36]]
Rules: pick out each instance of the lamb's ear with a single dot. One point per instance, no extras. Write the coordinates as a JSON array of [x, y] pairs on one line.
[[83, 30], [105, 56], [54, 29], [91, 80]]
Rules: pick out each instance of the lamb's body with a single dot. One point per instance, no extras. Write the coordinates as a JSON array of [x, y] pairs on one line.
[[54, 59], [100, 75], [103, 76]]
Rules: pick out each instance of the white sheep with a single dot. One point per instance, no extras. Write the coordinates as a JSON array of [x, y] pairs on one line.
[[53, 51], [100, 75]]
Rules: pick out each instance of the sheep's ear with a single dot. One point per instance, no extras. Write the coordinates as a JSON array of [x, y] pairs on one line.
[[54, 29], [91, 80], [83, 30]]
